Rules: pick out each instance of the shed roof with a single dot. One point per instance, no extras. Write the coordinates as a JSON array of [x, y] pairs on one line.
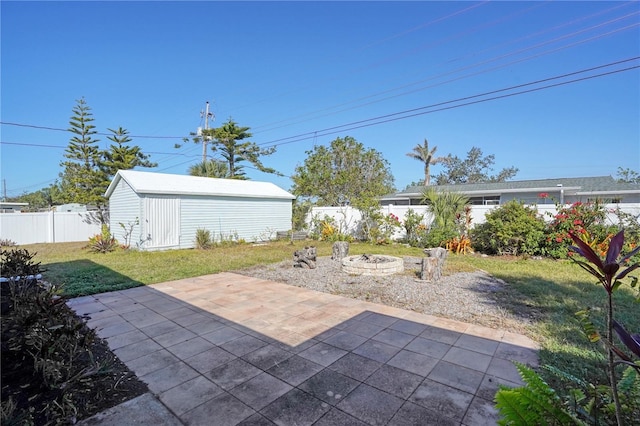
[[169, 184]]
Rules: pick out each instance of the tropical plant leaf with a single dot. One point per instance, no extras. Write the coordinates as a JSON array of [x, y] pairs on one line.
[[587, 326]]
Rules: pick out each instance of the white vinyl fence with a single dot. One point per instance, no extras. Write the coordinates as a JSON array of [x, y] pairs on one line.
[[348, 218], [46, 227]]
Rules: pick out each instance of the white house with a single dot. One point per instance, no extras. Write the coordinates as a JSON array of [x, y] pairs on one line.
[[163, 211]]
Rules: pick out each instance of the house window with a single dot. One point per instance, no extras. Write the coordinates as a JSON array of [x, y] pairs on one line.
[[493, 200]]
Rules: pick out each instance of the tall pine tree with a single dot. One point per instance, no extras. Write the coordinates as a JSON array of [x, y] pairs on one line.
[[122, 156], [82, 180]]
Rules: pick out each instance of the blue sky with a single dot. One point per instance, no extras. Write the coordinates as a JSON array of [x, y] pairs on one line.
[[292, 70]]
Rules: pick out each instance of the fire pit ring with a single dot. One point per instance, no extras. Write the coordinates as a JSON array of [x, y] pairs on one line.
[[372, 264]]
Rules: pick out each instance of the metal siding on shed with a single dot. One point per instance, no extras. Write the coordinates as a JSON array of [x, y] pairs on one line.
[[125, 208], [251, 219]]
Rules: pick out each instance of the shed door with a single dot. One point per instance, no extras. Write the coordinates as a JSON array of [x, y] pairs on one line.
[[162, 221]]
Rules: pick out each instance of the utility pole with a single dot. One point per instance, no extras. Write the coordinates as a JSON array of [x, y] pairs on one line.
[[205, 137]]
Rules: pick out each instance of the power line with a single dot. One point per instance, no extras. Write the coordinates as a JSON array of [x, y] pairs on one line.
[[33, 126], [376, 120]]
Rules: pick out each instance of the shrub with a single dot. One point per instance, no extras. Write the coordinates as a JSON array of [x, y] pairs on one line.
[[5, 242], [18, 263], [438, 236], [511, 229], [578, 217], [413, 227], [103, 242], [203, 239]]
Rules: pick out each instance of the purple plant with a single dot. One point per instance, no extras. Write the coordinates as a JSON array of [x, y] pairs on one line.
[[607, 272]]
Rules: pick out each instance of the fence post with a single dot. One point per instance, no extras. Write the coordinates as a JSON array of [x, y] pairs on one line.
[[51, 225]]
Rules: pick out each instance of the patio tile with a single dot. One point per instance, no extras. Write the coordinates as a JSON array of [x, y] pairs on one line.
[[209, 359], [233, 373], [395, 381], [411, 414], [329, 386], [394, 338], [160, 328], [174, 337], [152, 362], [356, 366], [409, 327], [442, 399], [490, 385], [295, 408], [124, 339], [163, 306], [428, 347], [371, 405], [469, 359], [481, 413], [456, 376], [137, 349], [345, 340], [191, 347], [295, 370], [380, 319], [243, 345], [267, 356], [323, 354], [223, 335], [377, 351], [179, 311], [363, 329], [504, 369], [190, 319], [143, 317], [115, 329], [477, 344], [204, 327], [441, 335], [336, 417], [256, 420], [226, 409], [413, 362], [189, 394], [168, 377], [260, 391], [513, 352]]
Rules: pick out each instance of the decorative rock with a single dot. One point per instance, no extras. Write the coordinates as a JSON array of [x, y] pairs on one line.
[[372, 265], [340, 250], [305, 258]]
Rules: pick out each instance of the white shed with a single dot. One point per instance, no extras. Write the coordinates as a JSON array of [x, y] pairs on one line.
[[164, 210]]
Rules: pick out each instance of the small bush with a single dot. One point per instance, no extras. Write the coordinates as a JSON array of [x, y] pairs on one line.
[[203, 239], [510, 229], [438, 236], [18, 263], [103, 242], [5, 242]]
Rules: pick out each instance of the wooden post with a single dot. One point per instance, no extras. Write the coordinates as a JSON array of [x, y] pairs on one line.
[[433, 264], [340, 250]]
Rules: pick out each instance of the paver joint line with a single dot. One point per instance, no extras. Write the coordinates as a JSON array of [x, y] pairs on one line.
[[228, 346]]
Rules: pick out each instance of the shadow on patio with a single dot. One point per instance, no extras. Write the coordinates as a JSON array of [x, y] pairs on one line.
[[228, 349]]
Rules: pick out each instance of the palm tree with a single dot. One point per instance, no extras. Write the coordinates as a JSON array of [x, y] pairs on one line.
[[211, 168], [422, 154]]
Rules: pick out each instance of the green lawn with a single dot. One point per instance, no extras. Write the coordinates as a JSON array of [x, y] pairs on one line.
[[549, 291]]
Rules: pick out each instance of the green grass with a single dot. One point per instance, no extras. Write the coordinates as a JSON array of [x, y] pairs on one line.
[[548, 291]]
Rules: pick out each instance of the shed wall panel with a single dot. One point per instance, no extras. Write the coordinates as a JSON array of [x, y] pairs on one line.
[[125, 206], [161, 225], [251, 219]]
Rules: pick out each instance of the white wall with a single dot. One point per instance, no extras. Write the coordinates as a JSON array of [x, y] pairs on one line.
[[347, 218], [46, 227]]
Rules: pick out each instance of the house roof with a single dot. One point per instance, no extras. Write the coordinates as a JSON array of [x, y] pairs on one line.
[[580, 186], [169, 184]]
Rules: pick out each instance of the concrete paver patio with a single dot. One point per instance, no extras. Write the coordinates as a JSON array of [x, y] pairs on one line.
[[227, 349]]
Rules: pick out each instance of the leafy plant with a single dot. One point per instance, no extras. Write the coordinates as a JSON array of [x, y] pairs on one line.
[[606, 271], [18, 263], [535, 403], [459, 245], [203, 239], [5, 242], [510, 229], [103, 242], [128, 230], [413, 227]]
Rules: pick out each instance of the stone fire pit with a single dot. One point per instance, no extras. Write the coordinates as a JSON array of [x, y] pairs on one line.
[[372, 264]]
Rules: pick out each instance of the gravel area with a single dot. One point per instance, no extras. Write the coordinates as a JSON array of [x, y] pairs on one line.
[[469, 296]]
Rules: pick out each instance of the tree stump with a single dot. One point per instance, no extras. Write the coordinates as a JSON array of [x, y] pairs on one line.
[[340, 250], [305, 258], [433, 264]]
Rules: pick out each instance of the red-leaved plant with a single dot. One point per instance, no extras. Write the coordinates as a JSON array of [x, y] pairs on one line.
[[609, 274]]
